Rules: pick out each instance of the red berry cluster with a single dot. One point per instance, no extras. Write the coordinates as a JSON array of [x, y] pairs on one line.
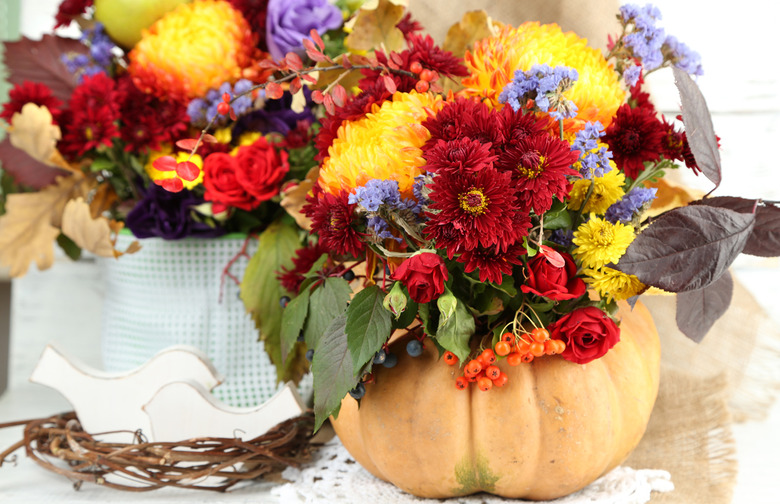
[[482, 369], [426, 76]]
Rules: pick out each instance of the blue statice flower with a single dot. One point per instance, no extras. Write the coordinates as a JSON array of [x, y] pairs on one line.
[[630, 204], [203, 110], [380, 198], [594, 159], [646, 39], [545, 86], [631, 74], [421, 192], [682, 56], [100, 58], [562, 237]]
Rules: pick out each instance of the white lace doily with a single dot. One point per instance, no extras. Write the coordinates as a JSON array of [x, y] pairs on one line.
[[333, 476]]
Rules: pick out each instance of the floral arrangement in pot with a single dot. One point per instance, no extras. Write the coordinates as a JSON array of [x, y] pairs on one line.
[[481, 227]]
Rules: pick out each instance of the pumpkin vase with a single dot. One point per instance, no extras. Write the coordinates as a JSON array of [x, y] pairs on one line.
[[551, 430]]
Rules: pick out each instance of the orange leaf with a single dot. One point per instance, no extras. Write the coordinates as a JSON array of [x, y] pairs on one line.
[[210, 138], [187, 170], [295, 85], [294, 62], [317, 96], [165, 163], [345, 61], [389, 84], [187, 144], [273, 90], [329, 105], [316, 38], [173, 185], [553, 256], [339, 95]]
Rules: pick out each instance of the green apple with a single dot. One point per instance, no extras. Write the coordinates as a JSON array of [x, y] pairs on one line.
[[124, 19]]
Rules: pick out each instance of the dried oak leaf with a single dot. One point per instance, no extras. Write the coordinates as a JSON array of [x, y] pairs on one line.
[[472, 27], [32, 223], [41, 61], [374, 27], [92, 234], [294, 198], [32, 131]]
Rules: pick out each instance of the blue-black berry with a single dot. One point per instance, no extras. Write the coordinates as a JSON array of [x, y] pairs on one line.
[[348, 275], [380, 356], [358, 391], [310, 355], [284, 300], [414, 348], [391, 360]]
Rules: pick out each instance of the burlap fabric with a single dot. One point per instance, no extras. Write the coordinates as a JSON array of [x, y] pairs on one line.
[[731, 376]]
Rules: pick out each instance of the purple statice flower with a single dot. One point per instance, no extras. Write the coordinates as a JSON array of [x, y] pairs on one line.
[[682, 56], [203, 110], [288, 22], [594, 159], [100, 58], [545, 86], [562, 237], [380, 192], [631, 74], [168, 215], [421, 192], [646, 39], [630, 204], [379, 226]]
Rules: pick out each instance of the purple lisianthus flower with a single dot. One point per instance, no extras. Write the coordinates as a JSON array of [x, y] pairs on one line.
[[288, 22], [276, 116], [168, 215]]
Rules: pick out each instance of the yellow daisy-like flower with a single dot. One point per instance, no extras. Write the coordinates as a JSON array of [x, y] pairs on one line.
[[385, 145], [156, 174], [613, 284], [600, 242], [193, 48], [606, 191], [492, 64]]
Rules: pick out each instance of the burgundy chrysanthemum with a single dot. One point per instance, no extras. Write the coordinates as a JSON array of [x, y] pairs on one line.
[[515, 125], [463, 155], [30, 92], [539, 166], [408, 26], [492, 263], [447, 124], [89, 129], [70, 9], [424, 49], [331, 219], [471, 210], [634, 137], [254, 11], [291, 279], [147, 122], [95, 91]]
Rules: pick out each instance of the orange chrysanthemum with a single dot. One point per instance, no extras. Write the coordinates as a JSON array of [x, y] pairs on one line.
[[492, 64], [384, 145], [194, 48]]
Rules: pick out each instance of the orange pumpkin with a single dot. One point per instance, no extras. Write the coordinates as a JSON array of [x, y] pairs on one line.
[[551, 430]]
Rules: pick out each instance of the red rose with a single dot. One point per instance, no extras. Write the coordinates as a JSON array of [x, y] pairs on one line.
[[261, 169], [553, 282], [588, 333], [222, 187], [424, 275]]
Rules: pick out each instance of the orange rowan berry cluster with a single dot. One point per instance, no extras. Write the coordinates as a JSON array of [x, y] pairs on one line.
[[426, 76], [483, 371]]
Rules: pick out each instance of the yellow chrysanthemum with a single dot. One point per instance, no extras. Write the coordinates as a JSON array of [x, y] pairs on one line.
[[492, 64], [606, 191], [223, 135], [613, 284], [600, 242], [156, 174], [193, 48], [385, 145]]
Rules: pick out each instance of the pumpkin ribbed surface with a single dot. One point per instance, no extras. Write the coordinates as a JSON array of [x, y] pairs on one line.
[[551, 430]]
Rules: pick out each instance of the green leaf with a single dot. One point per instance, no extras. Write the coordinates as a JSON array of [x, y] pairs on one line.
[[316, 267], [101, 163], [407, 317], [327, 301], [368, 325], [260, 290], [558, 217], [332, 370], [507, 286], [429, 315], [293, 319], [69, 247], [454, 334]]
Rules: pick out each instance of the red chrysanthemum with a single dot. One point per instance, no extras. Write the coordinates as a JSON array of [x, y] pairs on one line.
[[70, 9], [30, 92], [447, 124], [516, 126], [408, 26], [539, 166], [331, 219], [89, 129], [291, 279], [463, 155], [147, 122], [492, 263], [424, 49], [471, 210], [634, 137]]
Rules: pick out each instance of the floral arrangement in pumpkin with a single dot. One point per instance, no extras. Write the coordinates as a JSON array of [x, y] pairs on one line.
[[499, 202], [102, 130]]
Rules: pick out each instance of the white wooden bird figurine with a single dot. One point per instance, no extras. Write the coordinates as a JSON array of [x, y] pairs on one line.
[[206, 416], [107, 402]]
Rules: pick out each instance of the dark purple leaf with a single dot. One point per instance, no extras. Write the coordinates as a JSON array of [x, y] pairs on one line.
[[24, 169], [698, 310], [41, 61], [698, 126], [687, 248], [764, 240]]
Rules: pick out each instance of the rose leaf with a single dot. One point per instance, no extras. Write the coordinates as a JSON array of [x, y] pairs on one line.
[[368, 325]]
